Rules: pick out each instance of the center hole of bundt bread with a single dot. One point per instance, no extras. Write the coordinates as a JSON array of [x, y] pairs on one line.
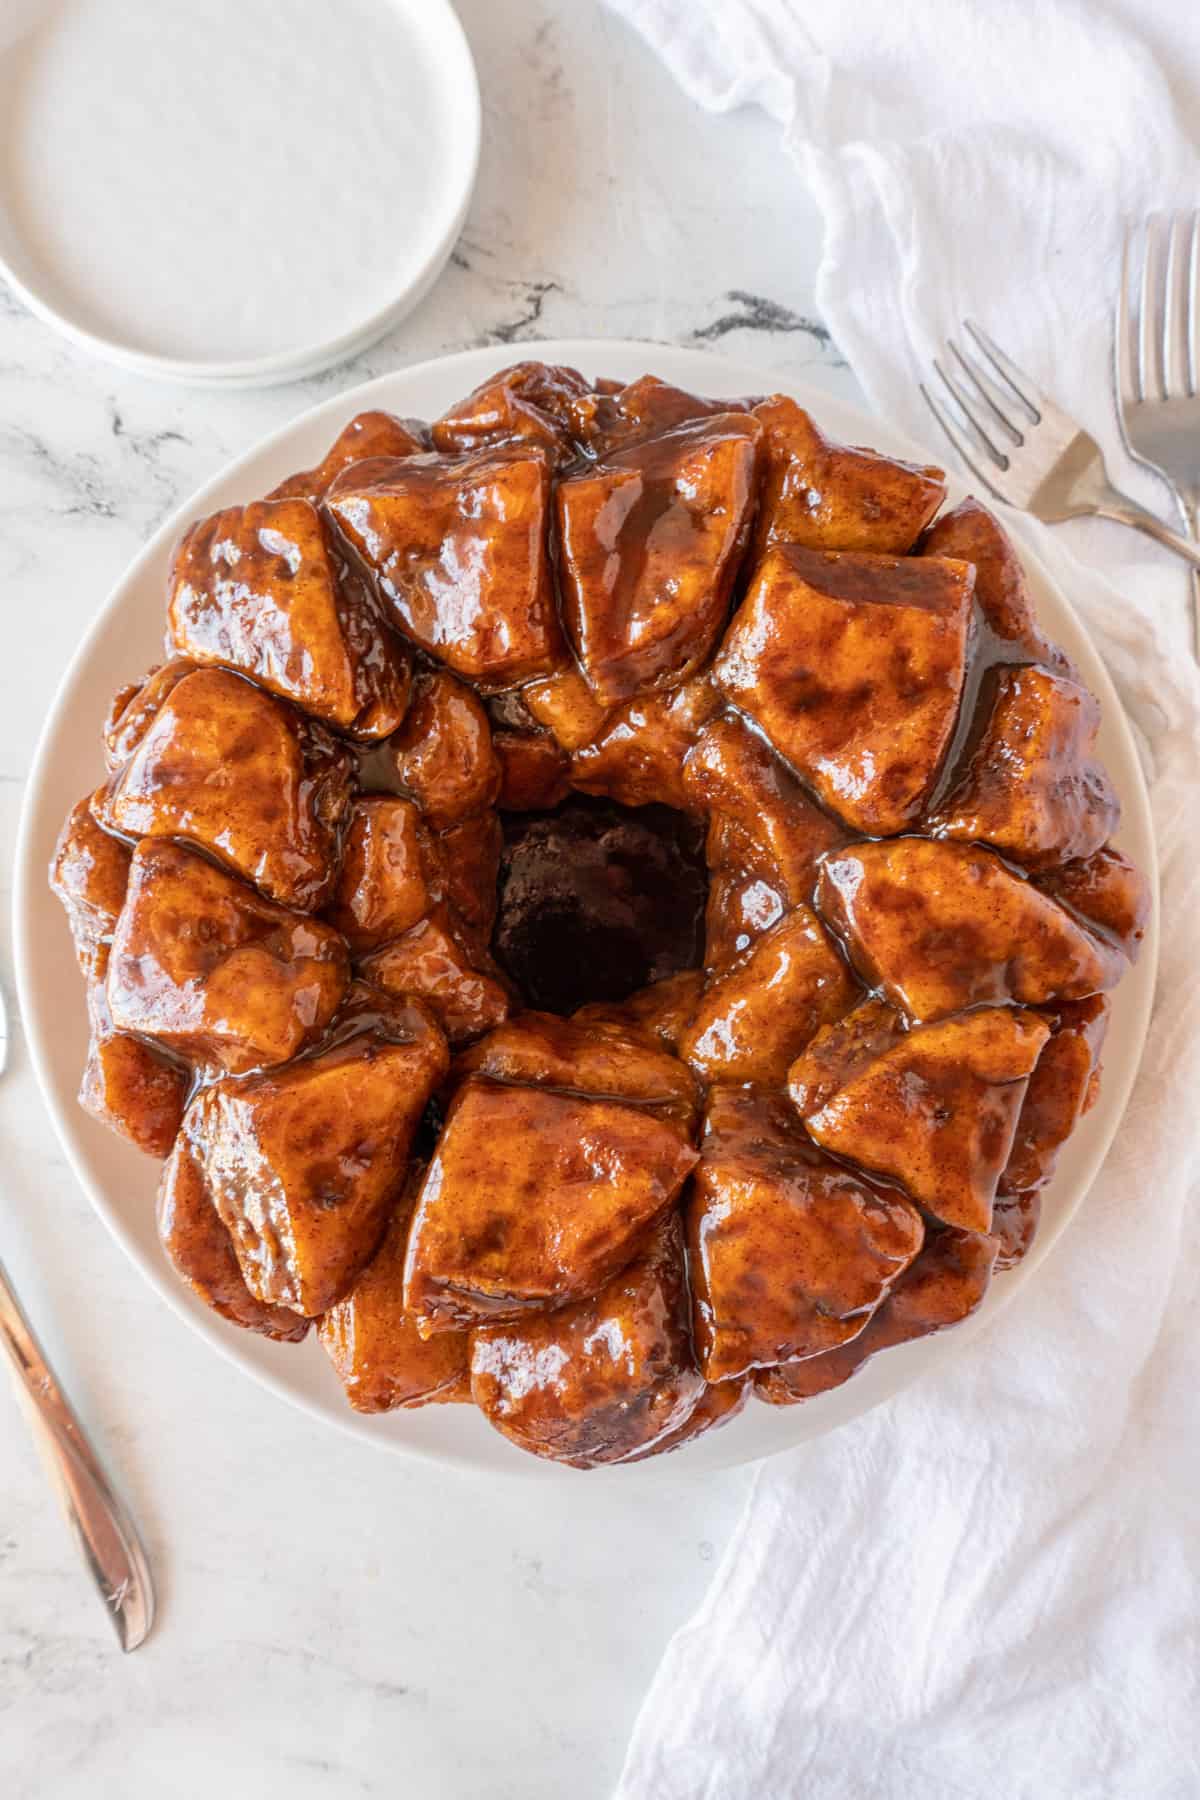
[[597, 900]]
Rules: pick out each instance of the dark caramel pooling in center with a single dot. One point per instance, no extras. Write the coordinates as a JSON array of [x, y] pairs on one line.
[[607, 908]]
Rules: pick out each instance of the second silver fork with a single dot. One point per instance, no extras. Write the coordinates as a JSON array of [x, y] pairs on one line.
[[1157, 358]]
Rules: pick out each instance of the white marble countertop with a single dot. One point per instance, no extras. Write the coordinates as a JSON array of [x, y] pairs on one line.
[[335, 1621]]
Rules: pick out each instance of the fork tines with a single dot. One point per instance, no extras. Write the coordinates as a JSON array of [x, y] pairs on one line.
[[1158, 326]]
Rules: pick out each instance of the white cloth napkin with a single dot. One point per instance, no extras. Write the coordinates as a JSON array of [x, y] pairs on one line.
[[991, 1586]]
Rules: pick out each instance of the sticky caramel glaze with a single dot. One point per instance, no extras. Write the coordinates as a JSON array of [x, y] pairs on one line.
[[373, 1343], [246, 777], [1064, 1084], [261, 589], [601, 1380], [1031, 787], [970, 534], [937, 1111], [759, 1013], [597, 1058], [368, 434], [534, 771], [443, 751], [1108, 894], [208, 969], [664, 1010], [638, 758], [457, 549], [945, 1284], [389, 876], [1015, 1219], [830, 496], [388, 568], [534, 1199], [305, 1163], [89, 873], [441, 961], [137, 1091], [720, 1402], [134, 707], [595, 902], [941, 926], [853, 666], [201, 1251], [649, 546], [544, 404], [789, 1251]]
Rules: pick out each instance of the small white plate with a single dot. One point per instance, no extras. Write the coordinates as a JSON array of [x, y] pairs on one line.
[[231, 192], [127, 637]]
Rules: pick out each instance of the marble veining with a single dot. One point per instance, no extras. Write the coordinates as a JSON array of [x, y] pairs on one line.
[[333, 1621]]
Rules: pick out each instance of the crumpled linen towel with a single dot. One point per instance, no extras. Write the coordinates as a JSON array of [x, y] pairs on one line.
[[989, 1587]]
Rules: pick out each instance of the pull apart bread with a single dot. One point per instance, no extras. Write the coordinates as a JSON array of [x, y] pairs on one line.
[[606, 909]]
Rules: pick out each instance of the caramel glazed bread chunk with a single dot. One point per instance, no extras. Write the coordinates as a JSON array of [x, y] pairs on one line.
[[407, 694]]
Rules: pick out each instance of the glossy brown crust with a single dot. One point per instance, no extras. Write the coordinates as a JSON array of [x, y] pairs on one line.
[[543, 404], [566, 706], [89, 872], [390, 872], [534, 771], [720, 1402], [135, 707], [649, 545], [945, 1284], [970, 534], [126, 1085], [840, 1051], [937, 1111], [457, 548], [942, 926], [304, 1164], [853, 666], [766, 650], [201, 1251], [646, 408], [828, 496], [469, 858], [764, 835], [664, 1009], [380, 1357], [258, 589], [368, 434], [638, 758], [789, 1252], [1107, 892], [207, 968], [535, 1199], [601, 1380], [439, 961], [1032, 788], [602, 1059], [225, 766], [1015, 1219], [1062, 1087], [757, 1016], [443, 751]]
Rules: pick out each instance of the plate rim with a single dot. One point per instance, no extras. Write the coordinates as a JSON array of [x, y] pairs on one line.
[[304, 359], [903, 1366]]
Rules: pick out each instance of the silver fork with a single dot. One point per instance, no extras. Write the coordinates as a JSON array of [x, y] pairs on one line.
[[1027, 452], [1156, 345]]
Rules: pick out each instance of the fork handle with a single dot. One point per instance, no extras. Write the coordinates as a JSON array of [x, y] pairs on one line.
[[99, 1523], [1123, 511]]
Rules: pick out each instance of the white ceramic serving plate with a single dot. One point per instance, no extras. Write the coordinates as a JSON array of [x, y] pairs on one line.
[[127, 637], [231, 192]]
